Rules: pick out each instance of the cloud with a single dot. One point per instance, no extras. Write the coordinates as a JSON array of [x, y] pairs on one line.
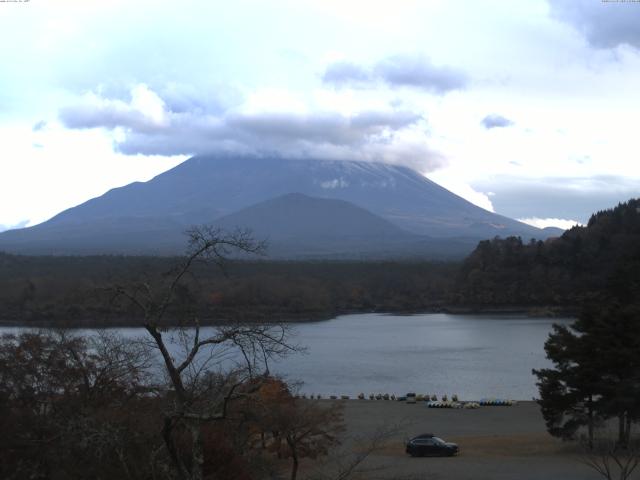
[[414, 71], [343, 73], [604, 24], [558, 197], [39, 126], [20, 224], [460, 187], [332, 128], [419, 72], [147, 124], [145, 111], [496, 121], [562, 223]]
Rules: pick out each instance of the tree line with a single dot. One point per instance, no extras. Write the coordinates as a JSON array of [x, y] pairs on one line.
[[602, 257], [560, 274], [73, 290]]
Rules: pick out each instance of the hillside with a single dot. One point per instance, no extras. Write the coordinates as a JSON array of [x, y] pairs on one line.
[[299, 226], [601, 258]]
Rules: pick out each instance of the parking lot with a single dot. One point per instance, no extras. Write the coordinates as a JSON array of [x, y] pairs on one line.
[[495, 442]]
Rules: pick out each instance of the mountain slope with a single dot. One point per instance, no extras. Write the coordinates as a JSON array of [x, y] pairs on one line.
[[107, 235], [299, 226], [294, 226], [295, 216], [148, 217]]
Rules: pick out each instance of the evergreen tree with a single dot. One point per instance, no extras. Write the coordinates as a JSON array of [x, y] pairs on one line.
[[568, 392], [614, 332], [596, 374]]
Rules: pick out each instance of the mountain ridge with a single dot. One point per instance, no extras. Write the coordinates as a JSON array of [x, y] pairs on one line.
[[205, 189]]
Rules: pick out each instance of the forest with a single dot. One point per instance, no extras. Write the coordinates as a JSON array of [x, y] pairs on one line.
[[74, 291], [601, 259], [555, 276]]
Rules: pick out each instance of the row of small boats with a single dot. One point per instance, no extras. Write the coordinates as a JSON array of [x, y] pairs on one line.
[[431, 400], [497, 402], [418, 397], [467, 405]]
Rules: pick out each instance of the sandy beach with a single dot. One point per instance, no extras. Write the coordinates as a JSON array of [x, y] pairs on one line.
[[495, 443]]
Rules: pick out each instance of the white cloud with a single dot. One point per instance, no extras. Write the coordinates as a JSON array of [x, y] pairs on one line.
[[463, 190], [20, 224], [145, 111], [71, 167], [175, 77], [562, 223], [414, 71]]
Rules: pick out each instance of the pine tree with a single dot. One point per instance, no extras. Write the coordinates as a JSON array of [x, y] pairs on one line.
[[596, 374], [568, 392]]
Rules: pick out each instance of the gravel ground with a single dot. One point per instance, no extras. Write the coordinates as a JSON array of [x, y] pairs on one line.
[[495, 443]]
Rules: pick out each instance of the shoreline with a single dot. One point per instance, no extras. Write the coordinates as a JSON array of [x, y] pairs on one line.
[[544, 311]]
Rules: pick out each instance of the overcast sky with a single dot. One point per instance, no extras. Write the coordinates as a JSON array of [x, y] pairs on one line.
[[526, 108]]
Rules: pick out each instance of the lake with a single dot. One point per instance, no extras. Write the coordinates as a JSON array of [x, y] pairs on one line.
[[474, 356]]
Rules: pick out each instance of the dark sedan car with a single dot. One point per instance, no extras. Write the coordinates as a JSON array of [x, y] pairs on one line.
[[428, 445]]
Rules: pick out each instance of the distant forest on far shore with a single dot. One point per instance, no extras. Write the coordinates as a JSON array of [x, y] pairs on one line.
[[76, 290], [585, 263]]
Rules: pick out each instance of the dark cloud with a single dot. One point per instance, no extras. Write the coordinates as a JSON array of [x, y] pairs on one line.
[[570, 198], [110, 116], [284, 133], [343, 73], [419, 72], [150, 127], [605, 24], [395, 120], [496, 121], [397, 71], [38, 126], [330, 128]]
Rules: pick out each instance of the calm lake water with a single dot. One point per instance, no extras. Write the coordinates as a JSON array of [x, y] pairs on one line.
[[474, 356]]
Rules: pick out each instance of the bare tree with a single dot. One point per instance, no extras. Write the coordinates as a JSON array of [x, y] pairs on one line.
[[351, 461], [306, 429], [198, 396], [610, 459]]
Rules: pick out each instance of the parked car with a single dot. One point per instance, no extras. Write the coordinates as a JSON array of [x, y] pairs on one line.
[[428, 445]]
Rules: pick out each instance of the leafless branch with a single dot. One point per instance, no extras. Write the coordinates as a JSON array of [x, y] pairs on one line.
[[611, 460]]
